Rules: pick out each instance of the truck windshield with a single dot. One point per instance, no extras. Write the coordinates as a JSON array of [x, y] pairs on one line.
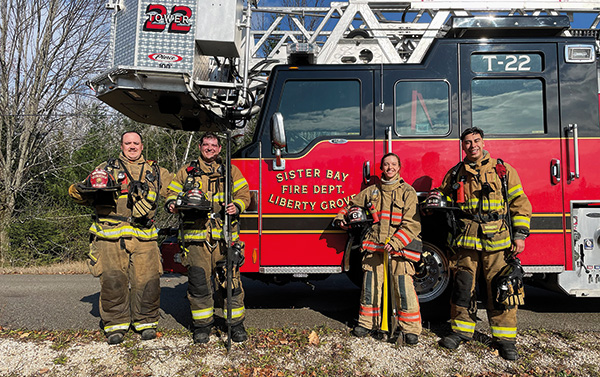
[[319, 109]]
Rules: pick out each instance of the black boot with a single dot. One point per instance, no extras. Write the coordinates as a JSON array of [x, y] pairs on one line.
[[452, 341], [202, 334], [507, 349], [238, 333], [115, 337], [360, 331], [148, 334]]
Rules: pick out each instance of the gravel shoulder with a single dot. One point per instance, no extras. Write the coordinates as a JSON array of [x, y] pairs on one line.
[[290, 352]]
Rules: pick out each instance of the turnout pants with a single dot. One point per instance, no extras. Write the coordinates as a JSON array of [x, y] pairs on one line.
[[502, 320], [408, 312], [129, 271], [207, 274]]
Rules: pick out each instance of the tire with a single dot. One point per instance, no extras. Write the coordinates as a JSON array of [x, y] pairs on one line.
[[432, 283]]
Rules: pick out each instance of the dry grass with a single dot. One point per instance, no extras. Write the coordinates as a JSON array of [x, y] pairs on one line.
[[55, 269]]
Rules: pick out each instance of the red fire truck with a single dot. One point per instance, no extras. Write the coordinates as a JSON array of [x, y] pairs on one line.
[[528, 79]]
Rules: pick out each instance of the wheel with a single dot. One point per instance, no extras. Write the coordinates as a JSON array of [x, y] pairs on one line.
[[432, 283]]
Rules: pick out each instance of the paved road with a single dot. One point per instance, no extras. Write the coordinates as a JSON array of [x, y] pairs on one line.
[[71, 302]]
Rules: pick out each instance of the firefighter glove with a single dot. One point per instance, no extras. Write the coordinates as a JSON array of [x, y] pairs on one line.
[[141, 208]]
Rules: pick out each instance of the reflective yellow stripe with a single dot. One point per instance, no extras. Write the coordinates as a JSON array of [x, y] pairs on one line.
[[122, 326], [468, 327], [110, 221], [219, 197], [476, 243], [504, 332], [202, 314], [123, 231], [523, 221], [235, 313], [239, 184], [174, 186], [514, 191], [151, 196], [195, 234], [172, 197], [241, 204], [487, 205], [217, 234], [144, 326]]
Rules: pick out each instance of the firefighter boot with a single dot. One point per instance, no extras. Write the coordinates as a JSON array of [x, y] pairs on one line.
[[238, 333], [411, 339], [507, 349], [202, 334], [148, 334], [452, 341], [114, 337], [360, 331]]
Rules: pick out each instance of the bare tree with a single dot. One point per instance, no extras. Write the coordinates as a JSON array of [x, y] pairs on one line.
[[48, 49]]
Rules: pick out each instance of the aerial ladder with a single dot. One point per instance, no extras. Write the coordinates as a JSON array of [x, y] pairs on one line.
[[204, 66]]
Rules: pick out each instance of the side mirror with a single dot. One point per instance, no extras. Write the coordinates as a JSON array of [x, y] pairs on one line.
[[278, 140]]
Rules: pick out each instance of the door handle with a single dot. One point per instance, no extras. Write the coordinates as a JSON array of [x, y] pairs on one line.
[[367, 172], [555, 171], [573, 129]]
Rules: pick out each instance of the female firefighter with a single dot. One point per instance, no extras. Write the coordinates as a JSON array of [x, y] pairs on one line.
[[388, 294]]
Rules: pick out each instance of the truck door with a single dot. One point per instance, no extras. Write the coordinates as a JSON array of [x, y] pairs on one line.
[[510, 91], [328, 118]]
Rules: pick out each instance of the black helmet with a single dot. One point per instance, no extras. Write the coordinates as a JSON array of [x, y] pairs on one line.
[[437, 200], [356, 217], [193, 199]]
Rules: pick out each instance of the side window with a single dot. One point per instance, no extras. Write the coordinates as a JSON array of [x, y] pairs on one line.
[[320, 108], [422, 108], [508, 106]]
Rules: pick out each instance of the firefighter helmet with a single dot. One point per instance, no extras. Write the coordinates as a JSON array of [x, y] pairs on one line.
[[193, 199], [509, 284], [98, 180], [357, 217], [437, 200]]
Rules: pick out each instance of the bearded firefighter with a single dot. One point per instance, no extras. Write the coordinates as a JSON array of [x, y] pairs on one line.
[[387, 255], [123, 252], [493, 223], [197, 194]]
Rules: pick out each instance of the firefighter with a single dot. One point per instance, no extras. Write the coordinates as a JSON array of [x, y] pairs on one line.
[[124, 253], [201, 236], [393, 204], [493, 223]]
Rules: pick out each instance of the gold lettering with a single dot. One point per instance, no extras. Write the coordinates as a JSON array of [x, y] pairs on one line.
[[339, 189], [324, 205], [329, 174], [308, 173], [292, 174], [284, 188], [317, 173], [297, 205], [304, 189], [279, 177], [344, 177]]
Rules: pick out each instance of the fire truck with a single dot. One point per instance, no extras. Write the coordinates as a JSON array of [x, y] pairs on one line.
[[332, 89]]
